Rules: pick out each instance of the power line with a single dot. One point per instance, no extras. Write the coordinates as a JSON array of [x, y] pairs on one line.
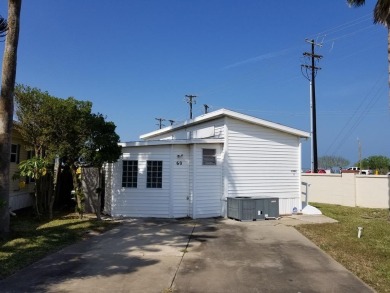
[[344, 26], [353, 122]]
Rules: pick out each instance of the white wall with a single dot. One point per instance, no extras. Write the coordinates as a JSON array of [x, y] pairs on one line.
[[172, 200], [348, 189], [207, 187], [142, 201], [180, 182], [263, 162]]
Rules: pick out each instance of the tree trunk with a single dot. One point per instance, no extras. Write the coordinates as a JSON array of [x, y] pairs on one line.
[[36, 197], [78, 191], [55, 190], [7, 108], [99, 195]]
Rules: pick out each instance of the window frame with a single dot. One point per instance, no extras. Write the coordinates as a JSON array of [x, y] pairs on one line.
[[130, 173], [15, 154], [209, 159], [154, 174]]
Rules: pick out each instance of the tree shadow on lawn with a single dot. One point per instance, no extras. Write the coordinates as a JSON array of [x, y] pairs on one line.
[[123, 250]]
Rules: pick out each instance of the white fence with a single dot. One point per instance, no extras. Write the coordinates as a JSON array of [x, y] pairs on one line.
[[347, 189]]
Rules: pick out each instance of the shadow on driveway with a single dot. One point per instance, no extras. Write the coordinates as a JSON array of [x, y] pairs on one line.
[[211, 255]]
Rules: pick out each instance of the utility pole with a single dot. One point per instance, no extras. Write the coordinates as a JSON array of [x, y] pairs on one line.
[[160, 120], [310, 74], [190, 99], [206, 107]]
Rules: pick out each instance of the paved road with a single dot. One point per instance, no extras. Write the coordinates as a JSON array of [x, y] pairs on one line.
[[214, 255]]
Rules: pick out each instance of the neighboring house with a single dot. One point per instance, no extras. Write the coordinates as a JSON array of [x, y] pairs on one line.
[[20, 194], [190, 169]]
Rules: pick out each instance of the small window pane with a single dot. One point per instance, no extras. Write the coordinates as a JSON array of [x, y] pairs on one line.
[[14, 153], [209, 157], [130, 174], [154, 174]]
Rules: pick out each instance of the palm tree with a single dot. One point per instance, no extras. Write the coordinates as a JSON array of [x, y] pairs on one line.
[[7, 106], [381, 16]]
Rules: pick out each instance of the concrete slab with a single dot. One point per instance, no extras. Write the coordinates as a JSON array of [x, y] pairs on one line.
[[295, 220], [266, 256], [212, 255], [139, 256]]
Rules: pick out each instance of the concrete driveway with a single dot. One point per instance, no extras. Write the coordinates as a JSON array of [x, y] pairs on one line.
[[213, 255]]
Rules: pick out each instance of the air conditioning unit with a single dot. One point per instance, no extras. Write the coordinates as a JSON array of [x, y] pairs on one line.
[[247, 208]]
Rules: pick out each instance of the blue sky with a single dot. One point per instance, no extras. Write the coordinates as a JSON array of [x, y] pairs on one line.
[[136, 60]]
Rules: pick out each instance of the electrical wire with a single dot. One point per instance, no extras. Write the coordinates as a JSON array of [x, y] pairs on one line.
[[353, 122], [254, 74], [273, 54], [343, 26]]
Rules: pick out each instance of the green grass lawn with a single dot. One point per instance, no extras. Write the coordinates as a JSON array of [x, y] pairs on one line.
[[32, 239], [367, 257]]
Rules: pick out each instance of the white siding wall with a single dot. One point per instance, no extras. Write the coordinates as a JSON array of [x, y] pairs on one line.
[[207, 185], [142, 201], [180, 185], [172, 200], [263, 162]]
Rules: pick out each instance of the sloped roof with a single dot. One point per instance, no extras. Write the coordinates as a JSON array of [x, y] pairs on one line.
[[226, 113]]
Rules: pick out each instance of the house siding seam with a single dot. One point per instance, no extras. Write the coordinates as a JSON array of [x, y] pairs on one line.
[[192, 179], [180, 181], [171, 210], [225, 182]]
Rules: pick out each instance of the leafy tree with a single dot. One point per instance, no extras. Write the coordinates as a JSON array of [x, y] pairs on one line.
[[101, 147], [56, 128], [34, 117], [37, 169], [6, 105], [329, 162], [66, 129], [380, 163]]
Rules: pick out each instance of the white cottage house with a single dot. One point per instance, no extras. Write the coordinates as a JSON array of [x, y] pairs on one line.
[[190, 169]]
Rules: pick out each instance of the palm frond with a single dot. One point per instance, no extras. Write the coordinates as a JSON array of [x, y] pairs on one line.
[[381, 12], [355, 3], [3, 27]]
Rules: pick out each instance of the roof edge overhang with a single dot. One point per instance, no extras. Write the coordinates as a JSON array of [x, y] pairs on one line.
[[170, 142], [226, 113]]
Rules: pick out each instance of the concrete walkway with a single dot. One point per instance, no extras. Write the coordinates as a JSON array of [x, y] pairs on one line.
[[213, 255]]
